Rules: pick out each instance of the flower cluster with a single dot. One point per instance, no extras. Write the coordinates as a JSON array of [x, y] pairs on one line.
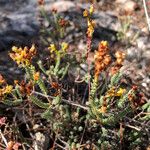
[[23, 56], [113, 92], [55, 89], [63, 49], [136, 98], [103, 108], [120, 56], [12, 145], [2, 121], [90, 22], [102, 58], [4, 87], [36, 76], [25, 88], [62, 22]]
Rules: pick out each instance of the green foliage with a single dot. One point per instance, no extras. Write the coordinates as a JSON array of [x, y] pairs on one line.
[[38, 102], [115, 79], [79, 112]]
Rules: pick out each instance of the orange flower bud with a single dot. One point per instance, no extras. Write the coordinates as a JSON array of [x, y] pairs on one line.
[[36, 76], [120, 54], [107, 59], [119, 61]]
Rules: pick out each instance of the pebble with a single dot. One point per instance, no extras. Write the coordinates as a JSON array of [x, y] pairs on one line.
[[130, 6], [60, 6], [41, 141], [127, 5], [141, 42], [121, 1]]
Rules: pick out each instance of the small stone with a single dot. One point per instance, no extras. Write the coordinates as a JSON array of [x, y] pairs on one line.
[[141, 42], [121, 1], [80, 128], [129, 6], [36, 126], [132, 52], [40, 137], [60, 6], [41, 141], [144, 84], [146, 54]]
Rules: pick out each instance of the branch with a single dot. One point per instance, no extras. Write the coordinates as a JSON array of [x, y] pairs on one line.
[[146, 14]]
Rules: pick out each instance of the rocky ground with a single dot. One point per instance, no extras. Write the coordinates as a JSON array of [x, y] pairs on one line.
[[20, 26]]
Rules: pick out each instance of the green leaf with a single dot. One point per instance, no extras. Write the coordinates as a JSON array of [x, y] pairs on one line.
[[56, 100], [115, 78], [12, 103], [38, 102]]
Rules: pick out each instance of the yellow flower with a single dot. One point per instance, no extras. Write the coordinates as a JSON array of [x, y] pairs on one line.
[[91, 25], [22, 55], [85, 13], [15, 49], [104, 43], [7, 89], [64, 46], [120, 92], [32, 49], [91, 9], [52, 48], [111, 92]]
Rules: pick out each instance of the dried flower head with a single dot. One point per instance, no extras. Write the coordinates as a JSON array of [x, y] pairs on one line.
[[41, 2], [55, 89], [25, 88], [2, 121], [54, 10], [136, 98], [120, 56], [102, 58], [62, 22]]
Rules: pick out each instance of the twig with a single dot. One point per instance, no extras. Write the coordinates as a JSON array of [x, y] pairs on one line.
[[146, 14], [24, 119], [133, 127], [2, 146], [65, 143], [64, 100], [84, 97], [4, 139], [60, 146], [74, 104], [83, 134]]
